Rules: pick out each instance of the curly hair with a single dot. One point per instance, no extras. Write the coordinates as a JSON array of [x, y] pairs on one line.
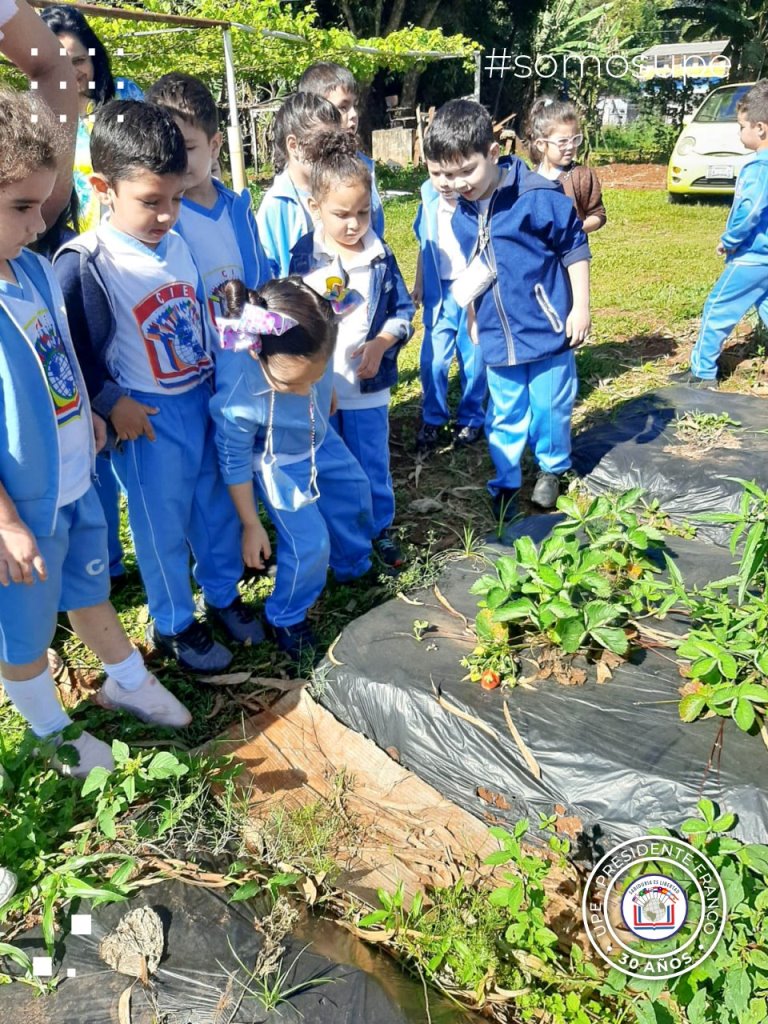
[[334, 160], [30, 136]]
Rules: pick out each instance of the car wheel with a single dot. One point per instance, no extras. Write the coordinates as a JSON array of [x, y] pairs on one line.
[[676, 198]]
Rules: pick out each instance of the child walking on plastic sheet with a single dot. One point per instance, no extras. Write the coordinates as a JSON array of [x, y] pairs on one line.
[[53, 537], [339, 86], [273, 399], [744, 243], [345, 261], [526, 287], [283, 215], [140, 318]]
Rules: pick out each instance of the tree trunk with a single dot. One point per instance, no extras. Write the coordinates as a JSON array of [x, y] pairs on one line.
[[412, 76]]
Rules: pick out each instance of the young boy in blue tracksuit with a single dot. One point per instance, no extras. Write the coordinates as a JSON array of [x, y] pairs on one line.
[[217, 223], [445, 326], [53, 538], [142, 326], [344, 259], [744, 243], [284, 216], [526, 288]]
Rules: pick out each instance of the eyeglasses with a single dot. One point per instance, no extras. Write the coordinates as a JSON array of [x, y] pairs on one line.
[[576, 140]]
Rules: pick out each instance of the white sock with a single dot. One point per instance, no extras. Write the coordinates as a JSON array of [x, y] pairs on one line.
[[37, 701], [128, 674]]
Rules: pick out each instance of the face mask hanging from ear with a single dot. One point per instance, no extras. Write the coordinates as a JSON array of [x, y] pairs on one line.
[[279, 488]]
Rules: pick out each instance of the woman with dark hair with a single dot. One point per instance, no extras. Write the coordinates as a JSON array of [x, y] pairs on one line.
[[95, 86]]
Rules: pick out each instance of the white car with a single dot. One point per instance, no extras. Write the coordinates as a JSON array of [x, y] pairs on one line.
[[708, 155]]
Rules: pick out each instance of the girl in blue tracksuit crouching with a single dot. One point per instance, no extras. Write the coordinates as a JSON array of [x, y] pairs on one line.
[[271, 408], [345, 260]]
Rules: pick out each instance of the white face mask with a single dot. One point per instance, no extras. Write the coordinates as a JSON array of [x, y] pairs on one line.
[[279, 489]]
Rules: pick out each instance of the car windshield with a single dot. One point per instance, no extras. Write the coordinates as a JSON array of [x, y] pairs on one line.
[[721, 105]]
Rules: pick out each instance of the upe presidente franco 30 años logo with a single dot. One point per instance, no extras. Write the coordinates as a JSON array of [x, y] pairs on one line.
[[654, 907]]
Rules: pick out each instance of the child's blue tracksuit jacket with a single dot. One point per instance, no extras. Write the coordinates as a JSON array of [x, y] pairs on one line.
[[445, 331], [391, 308], [336, 529], [176, 496], [283, 220], [256, 267], [744, 280], [528, 236], [366, 431], [29, 453], [533, 234]]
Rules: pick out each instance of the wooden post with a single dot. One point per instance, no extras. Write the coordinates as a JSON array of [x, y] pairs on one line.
[[234, 138], [478, 74]]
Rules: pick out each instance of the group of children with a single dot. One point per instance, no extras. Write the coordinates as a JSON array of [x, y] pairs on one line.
[[227, 359]]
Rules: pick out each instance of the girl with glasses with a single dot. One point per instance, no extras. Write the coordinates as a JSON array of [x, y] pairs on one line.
[[554, 138]]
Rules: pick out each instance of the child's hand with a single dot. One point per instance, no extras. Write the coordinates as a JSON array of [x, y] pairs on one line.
[[417, 294], [131, 419], [255, 545], [99, 431], [720, 249], [577, 326], [20, 556], [371, 354]]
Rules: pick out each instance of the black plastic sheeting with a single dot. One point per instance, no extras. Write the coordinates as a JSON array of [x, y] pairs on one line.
[[205, 937], [632, 450], [616, 755]]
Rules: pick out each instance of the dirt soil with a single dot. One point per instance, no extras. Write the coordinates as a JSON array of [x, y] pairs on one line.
[[643, 176]]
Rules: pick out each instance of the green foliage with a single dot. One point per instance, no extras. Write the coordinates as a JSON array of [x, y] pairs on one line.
[[727, 643], [649, 139], [577, 590]]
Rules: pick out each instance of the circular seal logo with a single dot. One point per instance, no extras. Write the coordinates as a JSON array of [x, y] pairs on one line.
[[654, 907]]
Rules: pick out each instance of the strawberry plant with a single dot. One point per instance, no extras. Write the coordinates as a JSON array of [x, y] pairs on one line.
[[579, 589]]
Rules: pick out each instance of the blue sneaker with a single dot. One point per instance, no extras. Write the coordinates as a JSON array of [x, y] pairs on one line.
[[238, 621], [296, 640]]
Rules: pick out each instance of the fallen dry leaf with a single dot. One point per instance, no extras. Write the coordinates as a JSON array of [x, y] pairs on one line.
[[494, 799]]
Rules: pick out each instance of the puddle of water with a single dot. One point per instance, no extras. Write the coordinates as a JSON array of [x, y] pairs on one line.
[[330, 940]]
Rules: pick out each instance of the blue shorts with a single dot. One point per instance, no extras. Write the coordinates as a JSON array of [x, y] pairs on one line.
[[77, 560]]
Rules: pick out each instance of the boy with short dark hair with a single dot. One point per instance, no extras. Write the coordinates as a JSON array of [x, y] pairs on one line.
[[526, 290], [339, 86], [144, 334], [217, 223], [744, 243]]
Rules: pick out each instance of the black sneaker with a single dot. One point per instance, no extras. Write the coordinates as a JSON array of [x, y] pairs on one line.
[[238, 621], [194, 648], [296, 640], [464, 436], [692, 381], [546, 490], [388, 550], [505, 505], [428, 438]]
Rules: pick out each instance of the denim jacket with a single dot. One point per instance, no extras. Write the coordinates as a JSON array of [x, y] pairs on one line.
[[390, 308]]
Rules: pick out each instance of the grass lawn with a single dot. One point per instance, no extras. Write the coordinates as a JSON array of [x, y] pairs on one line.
[[652, 268]]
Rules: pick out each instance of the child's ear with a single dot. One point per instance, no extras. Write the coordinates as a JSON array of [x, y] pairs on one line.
[[216, 144], [292, 145], [494, 151], [314, 209], [101, 187]]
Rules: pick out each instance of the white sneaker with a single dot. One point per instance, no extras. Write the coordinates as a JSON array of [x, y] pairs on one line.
[[151, 702], [8, 883], [93, 753]]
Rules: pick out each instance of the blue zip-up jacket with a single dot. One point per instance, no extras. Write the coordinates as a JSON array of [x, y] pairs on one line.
[[29, 452], [425, 229], [533, 234], [746, 230], [283, 220], [240, 410], [256, 268], [390, 307], [83, 272]]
